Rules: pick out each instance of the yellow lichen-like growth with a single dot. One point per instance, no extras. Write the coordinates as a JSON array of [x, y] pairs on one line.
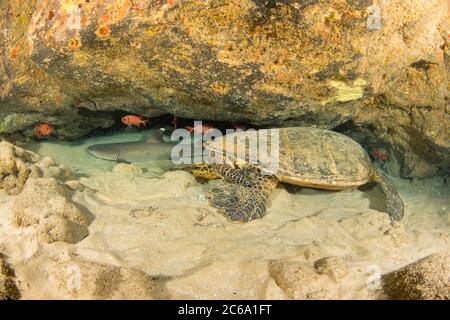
[[346, 92]]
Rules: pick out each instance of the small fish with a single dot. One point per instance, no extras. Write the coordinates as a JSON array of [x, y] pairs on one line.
[[131, 120], [204, 128], [43, 130], [238, 126], [174, 122], [379, 154]]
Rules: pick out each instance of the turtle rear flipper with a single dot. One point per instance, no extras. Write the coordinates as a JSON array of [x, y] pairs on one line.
[[394, 204]]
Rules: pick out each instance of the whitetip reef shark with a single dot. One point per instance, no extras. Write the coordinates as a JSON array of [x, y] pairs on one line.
[[152, 149]]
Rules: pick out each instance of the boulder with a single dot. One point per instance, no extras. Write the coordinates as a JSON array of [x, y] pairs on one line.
[[79, 279], [377, 72], [46, 204], [425, 279], [16, 165], [335, 267], [8, 289], [299, 280]]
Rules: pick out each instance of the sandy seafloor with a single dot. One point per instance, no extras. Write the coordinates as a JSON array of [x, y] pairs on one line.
[[159, 222]]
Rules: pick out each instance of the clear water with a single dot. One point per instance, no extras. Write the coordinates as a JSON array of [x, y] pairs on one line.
[[160, 222], [74, 155]]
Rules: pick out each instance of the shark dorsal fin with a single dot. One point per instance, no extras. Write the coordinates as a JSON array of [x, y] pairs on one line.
[[157, 136]]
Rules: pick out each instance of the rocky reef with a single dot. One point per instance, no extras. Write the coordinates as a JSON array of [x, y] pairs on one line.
[[45, 203], [15, 166], [8, 289], [101, 281], [42, 201], [425, 279], [378, 73], [18, 164]]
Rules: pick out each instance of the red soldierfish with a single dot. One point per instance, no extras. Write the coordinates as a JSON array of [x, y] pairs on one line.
[[43, 130], [380, 154], [131, 120], [203, 128]]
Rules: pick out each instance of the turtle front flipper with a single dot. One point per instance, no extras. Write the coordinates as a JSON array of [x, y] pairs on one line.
[[394, 204], [239, 203], [244, 195], [203, 171]]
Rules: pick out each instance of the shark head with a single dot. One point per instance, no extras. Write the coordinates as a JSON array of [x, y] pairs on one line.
[[103, 151]]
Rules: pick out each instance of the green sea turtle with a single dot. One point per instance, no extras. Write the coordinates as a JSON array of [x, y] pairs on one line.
[[309, 157]]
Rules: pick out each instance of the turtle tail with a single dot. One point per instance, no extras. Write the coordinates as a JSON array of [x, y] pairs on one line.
[[394, 204]]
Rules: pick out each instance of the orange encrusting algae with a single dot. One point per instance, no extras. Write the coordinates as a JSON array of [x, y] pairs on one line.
[[58, 99], [13, 54], [74, 44], [51, 14], [104, 31], [84, 21]]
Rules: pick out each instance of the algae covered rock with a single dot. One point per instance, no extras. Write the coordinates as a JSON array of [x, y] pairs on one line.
[[299, 280], [378, 72], [425, 279], [335, 267], [46, 204], [79, 279], [8, 288], [16, 164]]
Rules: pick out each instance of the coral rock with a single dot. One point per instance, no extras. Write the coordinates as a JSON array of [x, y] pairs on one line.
[[298, 280], [46, 204], [290, 63], [335, 267], [425, 279], [8, 289], [77, 279], [15, 167]]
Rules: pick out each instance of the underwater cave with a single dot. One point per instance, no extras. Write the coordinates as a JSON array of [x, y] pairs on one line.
[[298, 149]]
